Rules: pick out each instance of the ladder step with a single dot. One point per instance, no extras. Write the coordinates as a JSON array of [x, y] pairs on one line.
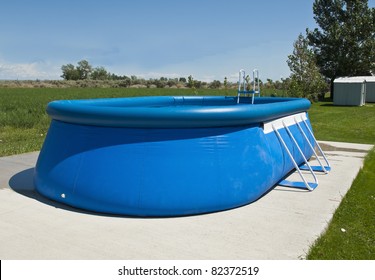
[[316, 168], [247, 92], [297, 184]]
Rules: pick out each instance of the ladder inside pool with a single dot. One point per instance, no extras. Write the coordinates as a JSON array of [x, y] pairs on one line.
[[244, 82], [304, 184]]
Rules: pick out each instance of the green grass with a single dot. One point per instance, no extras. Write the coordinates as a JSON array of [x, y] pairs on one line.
[[356, 216], [343, 123], [24, 124]]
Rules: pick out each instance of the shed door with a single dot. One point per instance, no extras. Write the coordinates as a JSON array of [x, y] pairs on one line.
[[363, 93]]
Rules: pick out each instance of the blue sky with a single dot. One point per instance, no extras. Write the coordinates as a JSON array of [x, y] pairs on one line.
[[209, 39]]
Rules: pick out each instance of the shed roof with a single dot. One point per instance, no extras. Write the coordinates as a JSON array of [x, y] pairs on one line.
[[357, 79]]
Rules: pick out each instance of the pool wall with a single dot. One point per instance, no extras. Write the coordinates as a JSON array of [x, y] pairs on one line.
[[166, 170]]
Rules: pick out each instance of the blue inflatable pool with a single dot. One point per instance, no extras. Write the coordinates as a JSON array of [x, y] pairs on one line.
[[168, 156]]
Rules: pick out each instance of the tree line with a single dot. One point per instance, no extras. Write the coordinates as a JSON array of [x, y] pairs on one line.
[[85, 71]]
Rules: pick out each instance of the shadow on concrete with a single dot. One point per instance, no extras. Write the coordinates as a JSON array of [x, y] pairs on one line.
[[23, 183]]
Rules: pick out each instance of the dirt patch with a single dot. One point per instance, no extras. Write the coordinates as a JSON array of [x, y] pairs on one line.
[[327, 148]]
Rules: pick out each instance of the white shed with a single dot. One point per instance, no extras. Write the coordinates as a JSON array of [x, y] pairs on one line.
[[370, 88], [349, 91]]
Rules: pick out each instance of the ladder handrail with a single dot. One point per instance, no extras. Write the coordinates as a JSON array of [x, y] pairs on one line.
[[293, 161], [243, 79], [310, 145], [316, 143], [242, 82], [256, 85]]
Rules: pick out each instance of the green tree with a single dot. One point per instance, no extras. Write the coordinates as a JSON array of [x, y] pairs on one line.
[[345, 43], [172, 82], [269, 83], [225, 83], [69, 72], [84, 69], [81, 72], [305, 80], [100, 73], [191, 82], [248, 82], [198, 84], [215, 84]]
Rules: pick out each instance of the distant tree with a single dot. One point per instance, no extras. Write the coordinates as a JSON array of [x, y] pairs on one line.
[[182, 80], [70, 72], [160, 83], [306, 80], [260, 81], [84, 69], [215, 84], [248, 82], [278, 84], [81, 72], [100, 73], [118, 77], [345, 43], [172, 82], [125, 82], [225, 83], [198, 84], [191, 82], [269, 84]]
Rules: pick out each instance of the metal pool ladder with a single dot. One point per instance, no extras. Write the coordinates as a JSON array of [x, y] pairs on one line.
[[304, 184], [320, 167], [243, 80]]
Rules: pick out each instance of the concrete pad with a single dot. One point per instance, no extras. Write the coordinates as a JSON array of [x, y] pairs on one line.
[[280, 225]]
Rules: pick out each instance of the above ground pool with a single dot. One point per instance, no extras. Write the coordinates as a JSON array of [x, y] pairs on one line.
[[170, 155]]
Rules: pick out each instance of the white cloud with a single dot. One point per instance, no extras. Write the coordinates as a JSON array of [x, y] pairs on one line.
[[227, 64], [28, 71]]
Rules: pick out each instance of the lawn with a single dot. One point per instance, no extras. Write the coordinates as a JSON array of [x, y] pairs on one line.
[[351, 233], [343, 123], [24, 124]]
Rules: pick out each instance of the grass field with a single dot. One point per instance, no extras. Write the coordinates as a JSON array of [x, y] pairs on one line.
[[24, 124]]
